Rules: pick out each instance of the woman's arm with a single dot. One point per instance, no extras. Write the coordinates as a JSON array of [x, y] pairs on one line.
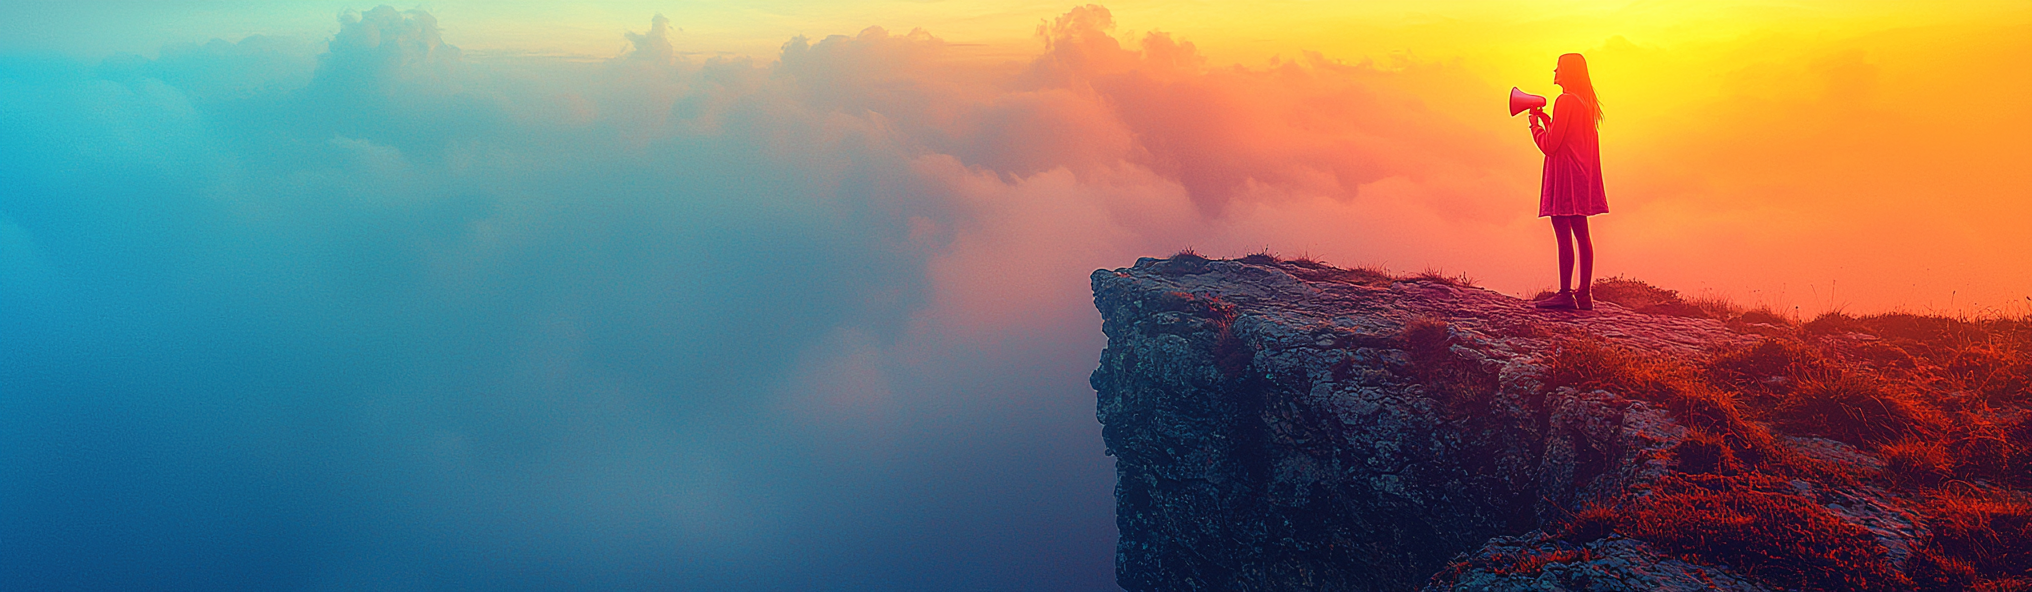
[[1567, 109]]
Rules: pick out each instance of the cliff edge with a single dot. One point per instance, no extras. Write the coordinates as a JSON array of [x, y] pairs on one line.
[[1286, 425]]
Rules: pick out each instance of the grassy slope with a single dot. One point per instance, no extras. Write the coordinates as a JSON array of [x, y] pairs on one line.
[[1943, 402]]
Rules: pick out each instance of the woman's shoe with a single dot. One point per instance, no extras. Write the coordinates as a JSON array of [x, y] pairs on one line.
[[1584, 300], [1563, 301]]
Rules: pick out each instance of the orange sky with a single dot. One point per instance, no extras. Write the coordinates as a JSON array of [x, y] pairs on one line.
[[1810, 157], [1858, 155]]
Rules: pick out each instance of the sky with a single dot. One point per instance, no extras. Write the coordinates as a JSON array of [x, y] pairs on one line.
[[793, 295]]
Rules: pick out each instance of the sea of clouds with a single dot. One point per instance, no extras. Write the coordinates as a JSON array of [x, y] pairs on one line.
[[364, 313]]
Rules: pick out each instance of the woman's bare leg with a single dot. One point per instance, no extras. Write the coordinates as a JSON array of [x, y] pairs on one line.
[[1587, 251], [1562, 228]]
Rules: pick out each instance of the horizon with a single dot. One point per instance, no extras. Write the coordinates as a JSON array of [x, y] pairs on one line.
[[795, 295]]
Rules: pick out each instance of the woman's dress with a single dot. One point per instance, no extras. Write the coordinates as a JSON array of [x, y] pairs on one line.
[[1572, 183]]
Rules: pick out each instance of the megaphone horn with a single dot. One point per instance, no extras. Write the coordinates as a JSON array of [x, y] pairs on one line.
[[1521, 101]]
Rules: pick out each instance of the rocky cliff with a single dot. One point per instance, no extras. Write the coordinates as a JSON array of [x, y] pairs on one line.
[[1285, 425]]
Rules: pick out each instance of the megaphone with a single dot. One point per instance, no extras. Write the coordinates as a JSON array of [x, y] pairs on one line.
[[1521, 101]]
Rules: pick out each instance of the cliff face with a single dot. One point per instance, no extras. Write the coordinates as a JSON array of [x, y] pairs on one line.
[[1291, 426], [1274, 433]]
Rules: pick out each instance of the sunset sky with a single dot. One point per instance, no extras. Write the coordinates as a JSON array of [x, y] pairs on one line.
[[793, 295]]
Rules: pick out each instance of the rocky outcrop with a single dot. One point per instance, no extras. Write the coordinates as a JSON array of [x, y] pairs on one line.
[[1290, 426]]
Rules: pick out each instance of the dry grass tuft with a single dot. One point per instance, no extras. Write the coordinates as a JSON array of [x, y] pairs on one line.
[[1996, 371], [1263, 258], [1756, 525], [1763, 315], [1705, 452], [1591, 523], [1917, 463], [1314, 271], [1589, 364], [1462, 385], [1858, 409], [1991, 533], [1772, 365], [1932, 572], [1460, 280], [1642, 297], [1832, 323]]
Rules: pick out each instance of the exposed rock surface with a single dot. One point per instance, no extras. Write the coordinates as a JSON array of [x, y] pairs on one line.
[[1538, 562], [1294, 427]]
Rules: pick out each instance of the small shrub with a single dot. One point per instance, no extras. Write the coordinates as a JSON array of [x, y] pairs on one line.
[[1188, 254], [1916, 463], [1857, 409], [1752, 523]]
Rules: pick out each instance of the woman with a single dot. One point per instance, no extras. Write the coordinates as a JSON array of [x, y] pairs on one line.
[[1571, 188]]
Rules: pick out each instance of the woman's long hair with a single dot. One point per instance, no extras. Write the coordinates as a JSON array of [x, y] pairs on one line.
[[1578, 82]]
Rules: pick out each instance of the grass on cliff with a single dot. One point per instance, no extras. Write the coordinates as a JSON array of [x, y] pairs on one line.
[[1976, 540], [1756, 524], [1312, 270], [1943, 403], [1642, 297]]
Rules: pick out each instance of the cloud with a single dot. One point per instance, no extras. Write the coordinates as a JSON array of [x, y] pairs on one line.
[[654, 44], [798, 323], [385, 47]]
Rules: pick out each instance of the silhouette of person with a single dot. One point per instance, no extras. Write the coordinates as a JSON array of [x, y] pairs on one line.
[[1571, 187]]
